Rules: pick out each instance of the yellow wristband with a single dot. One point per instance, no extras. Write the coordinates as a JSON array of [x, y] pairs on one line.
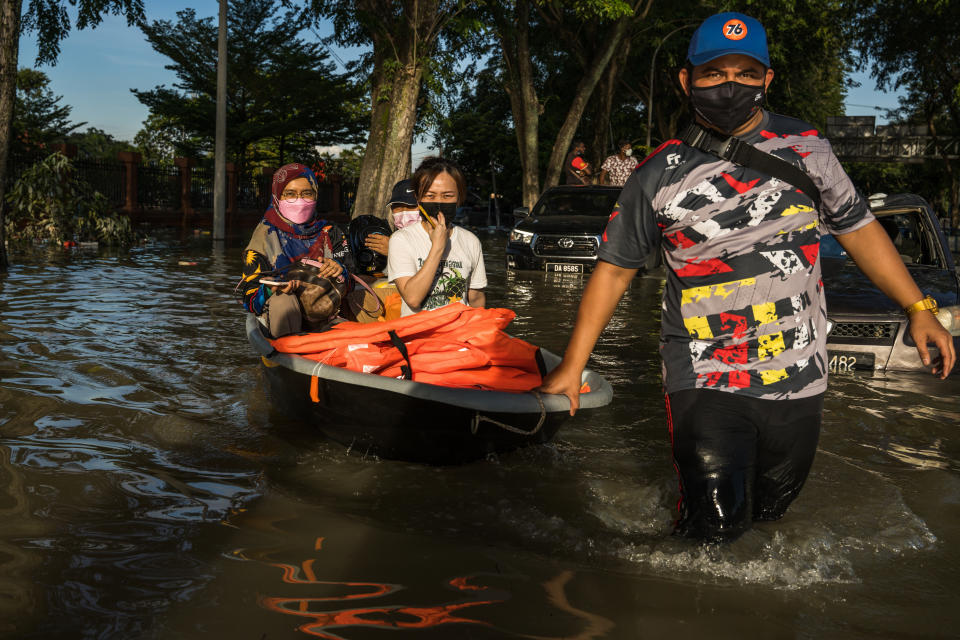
[[926, 303]]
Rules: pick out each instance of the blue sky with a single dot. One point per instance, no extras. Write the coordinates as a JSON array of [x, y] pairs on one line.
[[97, 68]]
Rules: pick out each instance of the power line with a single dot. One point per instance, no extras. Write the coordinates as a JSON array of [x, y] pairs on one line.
[[328, 48]]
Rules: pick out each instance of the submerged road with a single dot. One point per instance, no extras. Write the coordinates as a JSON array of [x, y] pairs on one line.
[[148, 490]]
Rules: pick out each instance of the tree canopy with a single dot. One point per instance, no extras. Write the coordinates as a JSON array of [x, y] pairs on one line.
[[403, 36], [39, 117], [914, 46], [505, 84], [51, 22], [284, 97]]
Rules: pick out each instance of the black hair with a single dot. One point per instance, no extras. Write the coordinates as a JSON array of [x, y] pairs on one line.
[[430, 168]]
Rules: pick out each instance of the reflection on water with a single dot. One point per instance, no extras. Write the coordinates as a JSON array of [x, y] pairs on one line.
[[326, 616], [149, 490], [19, 595], [330, 609]]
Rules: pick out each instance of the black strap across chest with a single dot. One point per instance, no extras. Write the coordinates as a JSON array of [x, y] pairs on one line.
[[735, 150]]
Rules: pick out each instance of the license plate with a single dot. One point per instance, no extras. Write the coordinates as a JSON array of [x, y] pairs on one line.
[[564, 267], [847, 362]]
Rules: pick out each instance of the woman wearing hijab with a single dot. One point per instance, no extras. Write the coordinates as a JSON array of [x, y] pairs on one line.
[[291, 232]]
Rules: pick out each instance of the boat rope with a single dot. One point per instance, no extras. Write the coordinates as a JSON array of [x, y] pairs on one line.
[[478, 418]]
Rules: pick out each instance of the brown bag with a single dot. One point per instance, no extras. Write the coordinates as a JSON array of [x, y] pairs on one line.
[[363, 304], [319, 297]]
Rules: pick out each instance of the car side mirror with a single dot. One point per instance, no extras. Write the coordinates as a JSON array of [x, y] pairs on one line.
[[521, 212]]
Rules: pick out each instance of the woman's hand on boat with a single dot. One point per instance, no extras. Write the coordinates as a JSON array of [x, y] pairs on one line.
[[563, 381]]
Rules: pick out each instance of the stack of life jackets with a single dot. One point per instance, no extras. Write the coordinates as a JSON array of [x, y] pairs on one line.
[[453, 346]]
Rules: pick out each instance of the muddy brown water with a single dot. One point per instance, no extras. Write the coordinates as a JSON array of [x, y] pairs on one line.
[[149, 490]]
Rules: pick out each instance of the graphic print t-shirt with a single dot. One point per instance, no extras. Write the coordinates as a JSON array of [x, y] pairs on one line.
[[619, 170], [743, 309], [461, 267]]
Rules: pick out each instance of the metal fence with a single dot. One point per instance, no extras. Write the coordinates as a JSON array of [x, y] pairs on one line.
[[158, 187], [201, 188], [254, 192], [105, 176], [19, 163]]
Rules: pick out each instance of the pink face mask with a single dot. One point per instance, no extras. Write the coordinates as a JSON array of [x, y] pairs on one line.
[[406, 218], [298, 211]]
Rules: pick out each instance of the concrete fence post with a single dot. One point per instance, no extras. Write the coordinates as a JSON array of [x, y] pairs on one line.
[[185, 165], [268, 196], [233, 188], [131, 169], [69, 150], [336, 182]]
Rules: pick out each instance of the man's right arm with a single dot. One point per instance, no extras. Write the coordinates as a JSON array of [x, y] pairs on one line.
[[600, 298]]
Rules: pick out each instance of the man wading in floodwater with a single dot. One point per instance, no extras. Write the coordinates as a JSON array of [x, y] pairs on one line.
[[743, 336]]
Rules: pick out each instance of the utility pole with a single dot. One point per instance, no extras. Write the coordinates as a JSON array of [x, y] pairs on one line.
[[220, 152], [494, 195]]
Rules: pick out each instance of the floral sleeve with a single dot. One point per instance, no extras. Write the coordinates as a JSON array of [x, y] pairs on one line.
[[254, 294]]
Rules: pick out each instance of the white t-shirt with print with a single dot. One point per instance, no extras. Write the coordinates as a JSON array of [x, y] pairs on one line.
[[461, 266]]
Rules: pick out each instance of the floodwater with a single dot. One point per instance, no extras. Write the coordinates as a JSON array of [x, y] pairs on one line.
[[148, 490]]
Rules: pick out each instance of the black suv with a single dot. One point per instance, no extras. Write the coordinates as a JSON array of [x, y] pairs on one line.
[[562, 233]]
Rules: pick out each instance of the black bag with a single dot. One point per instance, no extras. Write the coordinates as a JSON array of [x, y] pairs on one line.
[[368, 262], [744, 154]]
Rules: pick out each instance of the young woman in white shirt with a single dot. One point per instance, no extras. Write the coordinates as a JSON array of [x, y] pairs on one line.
[[435, 263]]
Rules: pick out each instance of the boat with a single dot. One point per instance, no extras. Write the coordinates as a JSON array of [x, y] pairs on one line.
[[401, 419]]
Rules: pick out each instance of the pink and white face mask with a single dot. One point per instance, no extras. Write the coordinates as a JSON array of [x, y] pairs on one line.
[[298, 211], [403, 219]]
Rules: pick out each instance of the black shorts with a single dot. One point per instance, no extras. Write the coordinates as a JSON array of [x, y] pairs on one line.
[[739, 459]]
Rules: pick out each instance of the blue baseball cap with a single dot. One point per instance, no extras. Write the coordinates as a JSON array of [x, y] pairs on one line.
[[726, 33]]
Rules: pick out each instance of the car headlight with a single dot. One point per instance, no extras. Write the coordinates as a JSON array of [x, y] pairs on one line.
[[521, 237], [949, 317]]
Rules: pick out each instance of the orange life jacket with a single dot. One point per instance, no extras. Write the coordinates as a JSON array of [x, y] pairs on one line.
[[453, 346]]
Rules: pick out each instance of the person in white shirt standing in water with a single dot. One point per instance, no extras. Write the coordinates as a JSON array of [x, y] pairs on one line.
[[435, 263]]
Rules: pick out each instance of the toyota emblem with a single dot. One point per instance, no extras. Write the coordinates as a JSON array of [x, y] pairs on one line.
[[566, 243]]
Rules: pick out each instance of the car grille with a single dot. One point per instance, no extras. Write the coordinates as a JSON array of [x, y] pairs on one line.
[[554, 245], [863, 333]]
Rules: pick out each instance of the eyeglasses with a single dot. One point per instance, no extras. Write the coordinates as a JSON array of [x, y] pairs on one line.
[[291, 195]]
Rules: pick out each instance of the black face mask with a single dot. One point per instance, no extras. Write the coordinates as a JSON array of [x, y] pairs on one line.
[[728, 105], [448, 209]]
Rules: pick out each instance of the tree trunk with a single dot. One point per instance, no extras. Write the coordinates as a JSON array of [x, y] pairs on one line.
[[9, 50], [514, 35], [584, 89], [386, 159], [604, 105], [399, 60]]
